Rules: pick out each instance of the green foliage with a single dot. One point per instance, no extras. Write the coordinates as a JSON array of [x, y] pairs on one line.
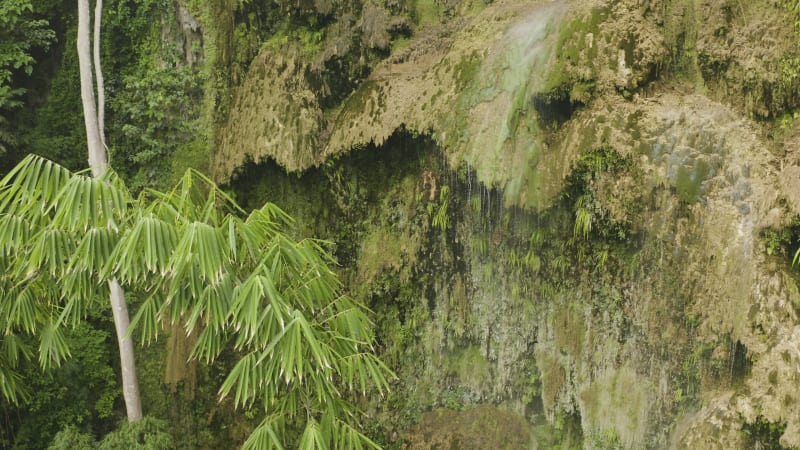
[[157, 110], [81, 392], [564, 434], [439, 217], [589, 214], [238, 283], [145, 434], [786, 87], [583, 217], [55, 130], [764, 434], [607, 440], [154, 111], [310, 39], [70, 438], [782, 241], [19, 33]]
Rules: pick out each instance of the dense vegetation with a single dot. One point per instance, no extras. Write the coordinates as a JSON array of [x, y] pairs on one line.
[[292, 345], [546, 260]]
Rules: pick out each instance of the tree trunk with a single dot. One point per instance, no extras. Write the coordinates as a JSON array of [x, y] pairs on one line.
[[98, 161], [98, 75], [130, 384]]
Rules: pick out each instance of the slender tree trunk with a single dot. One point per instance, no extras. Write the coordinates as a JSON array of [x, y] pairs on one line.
[[130, 384], [98, 75], [98, 161]]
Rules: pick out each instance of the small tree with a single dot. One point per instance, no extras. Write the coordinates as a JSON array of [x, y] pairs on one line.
[[93, 114], [235, 280]]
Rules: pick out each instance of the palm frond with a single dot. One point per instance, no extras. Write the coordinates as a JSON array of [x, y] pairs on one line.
[[257, 310], [52, 247], [210, 344], [14, 349], [213, 306], [204, 247], [23, 310], [11, 384], [86, 202], [53, 346], [94, 251], [196, 198], [31, 187], [145, 249], [313, 437], [361, 370], [265, 436], [15, 233], [243, 380], [347, 437], [79, 291]]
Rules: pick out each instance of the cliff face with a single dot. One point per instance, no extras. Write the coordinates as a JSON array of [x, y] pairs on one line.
[[556, 209]]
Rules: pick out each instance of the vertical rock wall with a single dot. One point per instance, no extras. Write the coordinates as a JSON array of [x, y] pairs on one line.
[[555, 208]]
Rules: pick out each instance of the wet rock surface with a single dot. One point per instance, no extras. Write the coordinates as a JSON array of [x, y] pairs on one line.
[[605, 187]]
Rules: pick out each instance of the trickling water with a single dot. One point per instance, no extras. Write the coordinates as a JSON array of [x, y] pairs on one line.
[[487, 209], [469, 182], [515, 69], [499, 220]]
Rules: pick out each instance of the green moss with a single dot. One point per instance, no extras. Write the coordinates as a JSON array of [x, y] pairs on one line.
[[572, 50], [381, 250], [309, 40], [685, 58], [613, 408], [470, 367], [570, 329], [426, 12], [356, 103], [763, 434], [590, 215], [564, 434], [606, 440], [689, 181], [484, 427], [466, 70], [400, 43]]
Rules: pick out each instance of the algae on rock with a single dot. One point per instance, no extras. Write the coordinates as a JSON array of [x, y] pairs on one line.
[[600, 262]]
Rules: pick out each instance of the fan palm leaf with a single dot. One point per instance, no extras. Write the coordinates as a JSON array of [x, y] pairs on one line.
[[235, 280]]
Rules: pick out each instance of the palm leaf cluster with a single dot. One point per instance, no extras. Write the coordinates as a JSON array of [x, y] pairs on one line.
[[234, 280]]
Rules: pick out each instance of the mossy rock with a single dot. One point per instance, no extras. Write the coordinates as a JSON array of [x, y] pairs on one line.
[[480, 428]]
